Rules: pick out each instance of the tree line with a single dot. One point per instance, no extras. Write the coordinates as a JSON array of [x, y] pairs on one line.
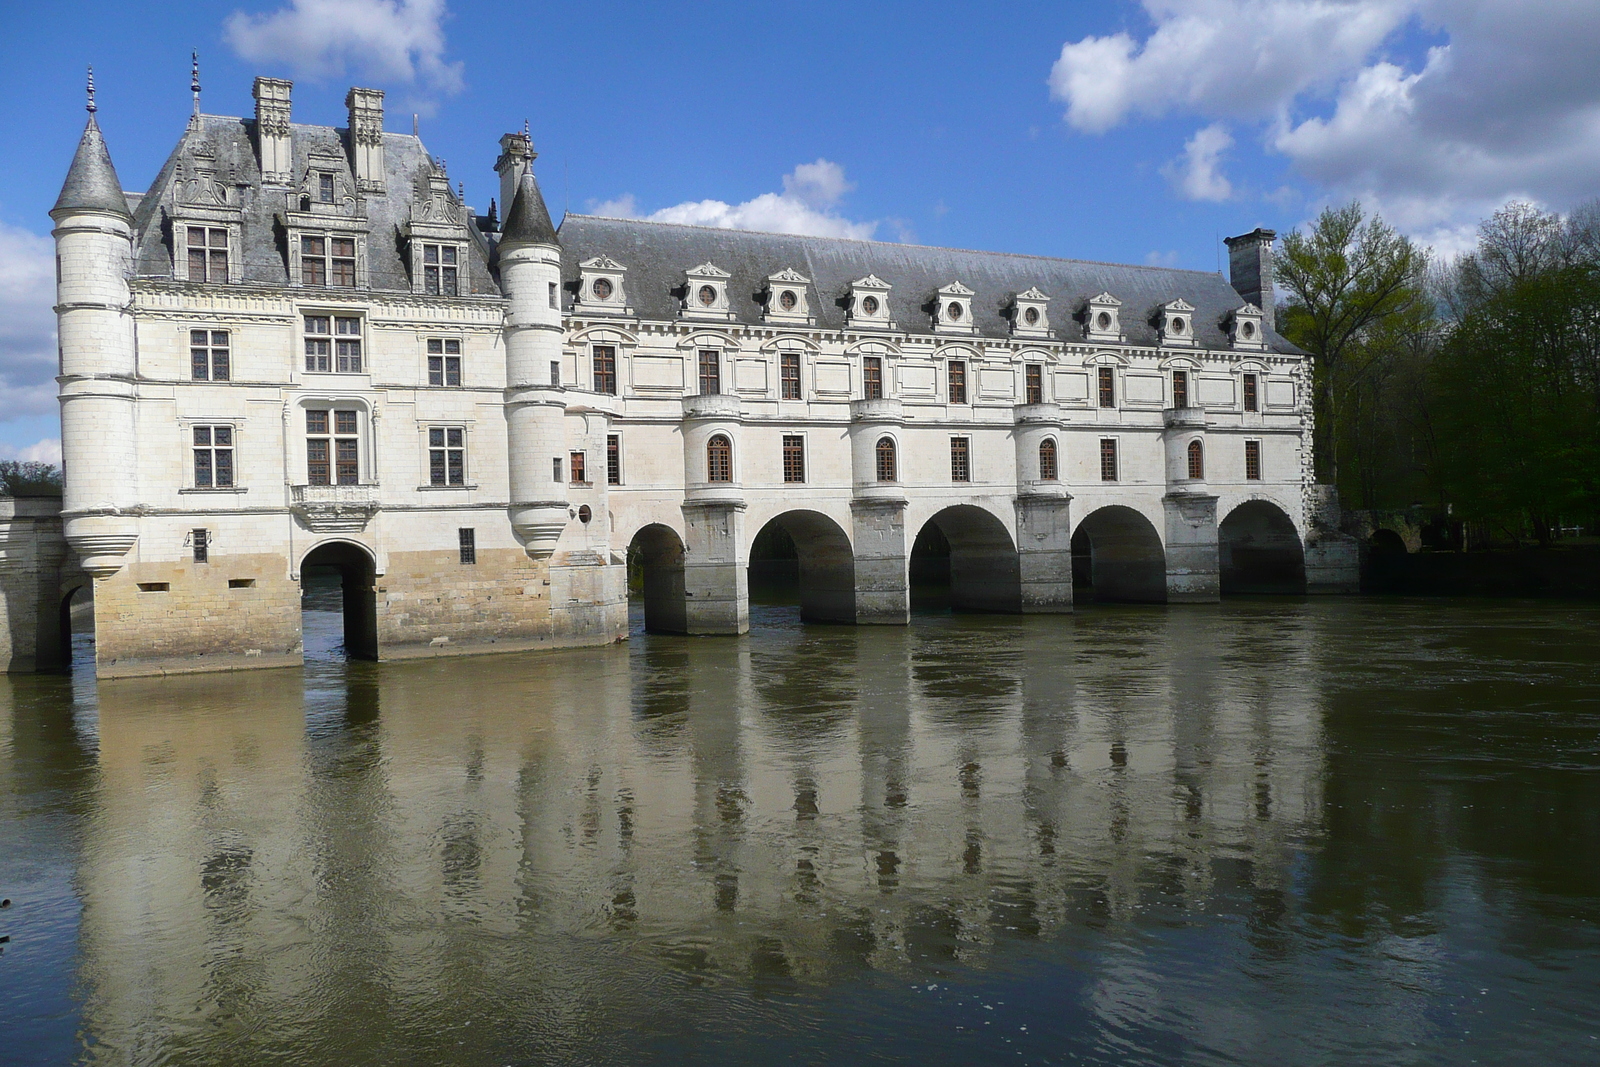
[[1467, 389]]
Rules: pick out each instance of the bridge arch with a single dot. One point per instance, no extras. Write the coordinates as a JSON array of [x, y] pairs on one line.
[[655, 570], [357, 572], [984, 571], [824, 564], [1260, 551], [1117, 555]]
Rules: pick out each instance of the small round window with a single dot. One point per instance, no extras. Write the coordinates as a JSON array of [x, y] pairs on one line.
[[1031, 316], [1177, 325], [955, 312], [1248, 330], [584, 514], [601, 288], [1103, 320], [869, 305], [708, 295], [787, 300]]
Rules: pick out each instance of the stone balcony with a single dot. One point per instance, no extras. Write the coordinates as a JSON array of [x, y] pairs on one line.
[[711, 406], [1184, 418], [1047, 414], [331, 508], [880, 409]]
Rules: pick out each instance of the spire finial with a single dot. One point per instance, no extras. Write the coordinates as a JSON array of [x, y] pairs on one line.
[[194, 78], [525, 130], [91, 107], [461, 191]]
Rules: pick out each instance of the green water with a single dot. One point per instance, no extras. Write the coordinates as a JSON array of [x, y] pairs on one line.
[[1343, 831]]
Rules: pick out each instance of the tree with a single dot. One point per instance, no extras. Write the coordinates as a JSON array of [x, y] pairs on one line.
[[29, 478], [1347, 277]]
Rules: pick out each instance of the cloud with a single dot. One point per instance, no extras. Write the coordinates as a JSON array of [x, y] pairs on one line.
[[27, 323], [390, 40], [1196, 175], [47, 450], [807, 205], [1506, 107], [1161, 259]]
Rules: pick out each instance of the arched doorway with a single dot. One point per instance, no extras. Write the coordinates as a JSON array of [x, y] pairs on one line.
[[816, 552], [1385, 570], [338, 601], [655, 575], [969, 552], [1117, 556], [76, 629], [1260, 551]]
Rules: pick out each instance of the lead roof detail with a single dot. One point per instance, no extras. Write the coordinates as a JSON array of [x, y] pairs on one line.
[[92, 183]]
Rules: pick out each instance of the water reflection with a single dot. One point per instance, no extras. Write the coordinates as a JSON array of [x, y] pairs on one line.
[[1253, 833]]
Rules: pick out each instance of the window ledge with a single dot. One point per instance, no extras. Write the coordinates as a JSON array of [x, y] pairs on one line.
[[215, 489], [581, 485], [445, 488]]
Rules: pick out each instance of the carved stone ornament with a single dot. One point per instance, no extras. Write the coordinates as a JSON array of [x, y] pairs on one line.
[[330, 508]]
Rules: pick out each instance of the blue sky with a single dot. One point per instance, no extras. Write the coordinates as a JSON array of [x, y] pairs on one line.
[[1135, 131]]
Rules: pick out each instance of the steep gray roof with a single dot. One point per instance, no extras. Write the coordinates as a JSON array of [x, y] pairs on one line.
[[657, 255], [92, 183], [225, 146], [528, 221]]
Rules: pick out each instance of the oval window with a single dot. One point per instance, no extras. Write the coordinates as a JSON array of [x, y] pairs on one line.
[[1177, 325], [584, 514], [955, 311], [1103, 320], [601, 288], [1031, 316], [787, 300], [1248, 330], [869, 305], [708, 295]]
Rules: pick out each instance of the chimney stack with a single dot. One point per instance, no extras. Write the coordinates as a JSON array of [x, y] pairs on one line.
[[516, 156], [366, 138], [1250, 269], [272, 130]]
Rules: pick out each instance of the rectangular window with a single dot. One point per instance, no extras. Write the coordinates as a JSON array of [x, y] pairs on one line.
[[554, 303], [342, 271], [208, 254], [347, 344], [555, 372], [710, 372], [1033, 377], [1108, 387], [325, 188], [313, 261], [580, 475], [333, 344], [444, 361], [1250, 393], [1252, 461], [447, 455], [789, 374], [958, 382], [794, 458], [605, 369], [201, 541], [1180, 388], [872, 378], [439, 270], [328, 261], [208, 355], [1108, 459], [333, 449], [467, 538], [555, 468], [213, 457], [960, 459], [613, 459]]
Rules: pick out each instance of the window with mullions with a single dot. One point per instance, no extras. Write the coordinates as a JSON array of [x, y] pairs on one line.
[[328, 261], [1108, 459], [960, 459], [467, 539], [333, 343], [578, 465], [719, 459], [1108, 387], [1197, 461], [872, 378], [208, 254], [1033, 378], [789, 374], [958, 382], [208, 356], [605, 369], [333, 449], [213, 457], [447, 455], [444, 361], [1048, 467], [1251, 402], [1252, 461], [440, 272], [325, 188], [887, 471], [1180, 388], [613, 459], [794, 458], [710, 372]]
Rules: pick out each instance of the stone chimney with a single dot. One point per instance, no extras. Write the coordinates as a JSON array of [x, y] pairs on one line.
[[516, 157], [1250, 269], [366, 138], [272, 130]]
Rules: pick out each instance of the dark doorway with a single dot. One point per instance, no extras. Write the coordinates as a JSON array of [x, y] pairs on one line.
[[76, 631], [339, 602], [1117, 558], [964, 558], [804, 557], [655, 575], [1260, 551], [930, 570]]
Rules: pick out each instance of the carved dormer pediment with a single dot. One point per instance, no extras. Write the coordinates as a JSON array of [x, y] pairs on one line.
[[433, 203], [602, 287], [868, 304], [1247, 328], [1102, 318], [1175, 320], [706, 293], [787, 299], [952, 309], [326, 187], [1030, 314]]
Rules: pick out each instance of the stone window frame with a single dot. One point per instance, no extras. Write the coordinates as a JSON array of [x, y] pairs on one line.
[[1253, 450], [578, 468], [419, 265], [714, 466], [804, 458], [1195, 460], [614, 459], [186, 428], [1112, 476], [1053, 473], [961, 459], [444, 356], [296, 237], [367, 417], [1032, 369], [893, 453], [332, 314], [965, 364], [181, 225], [872, 376], [444, 428], [211, 348], [615, 372], [467, 545]]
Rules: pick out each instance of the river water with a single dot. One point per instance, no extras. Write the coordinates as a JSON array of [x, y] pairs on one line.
[[1267, 832]]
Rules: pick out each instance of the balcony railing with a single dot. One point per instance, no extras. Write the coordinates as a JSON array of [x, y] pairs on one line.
[[334, 507]]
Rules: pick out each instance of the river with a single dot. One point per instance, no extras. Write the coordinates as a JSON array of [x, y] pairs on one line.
[[1274, 832]]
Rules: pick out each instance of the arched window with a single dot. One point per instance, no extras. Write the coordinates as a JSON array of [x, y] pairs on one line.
[[886, 465], [1197, 460], [1047, 460], [719, 459]]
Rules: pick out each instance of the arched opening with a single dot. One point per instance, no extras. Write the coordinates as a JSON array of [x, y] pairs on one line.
[[805, 556], [1385, 570], [1048, 468], [1197, 461], [964, 556], [1117, 557], [888, 467], [1260, 551], [719, 459], [77, 625], [338, 602], [655, 577], [1386, 543]]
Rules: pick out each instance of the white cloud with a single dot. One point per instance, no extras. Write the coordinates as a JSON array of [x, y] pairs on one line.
[[47, 450], [27, 323], [1161, 259], [807, 205], [1197, 175], [395, 40]]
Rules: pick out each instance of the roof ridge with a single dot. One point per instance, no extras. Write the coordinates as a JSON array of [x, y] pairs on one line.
[[902, 244]]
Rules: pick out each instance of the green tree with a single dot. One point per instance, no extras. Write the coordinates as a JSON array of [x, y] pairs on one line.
[[29, 478]]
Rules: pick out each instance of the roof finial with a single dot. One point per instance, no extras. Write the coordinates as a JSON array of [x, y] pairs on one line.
[[461, 191], [91, 107], [194, 78], [525, 130]]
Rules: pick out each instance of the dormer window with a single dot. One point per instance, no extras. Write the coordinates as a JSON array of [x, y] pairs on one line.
[[1029, 314], [953, 309], [208, 254], [325, 188], [787, 298], [1246, 329], [869, 304], [1102, 319], [328, 261], [707, 295], [440, 270], [601, 287], [1176, 320]]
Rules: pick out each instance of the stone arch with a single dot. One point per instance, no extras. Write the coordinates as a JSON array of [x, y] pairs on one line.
[[357, 569], [825, 567], [1260, 551], [69, 593], [1385, 542], [655, 570], [1117, 555], [984, 570]]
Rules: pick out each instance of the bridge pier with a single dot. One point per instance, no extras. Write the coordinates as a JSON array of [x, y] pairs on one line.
[[716, 575], [1193, 554], [883, 591], [1044, 552], [32, 553]]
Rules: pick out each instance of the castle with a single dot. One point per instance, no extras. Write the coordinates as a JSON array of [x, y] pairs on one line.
[[299, 348]]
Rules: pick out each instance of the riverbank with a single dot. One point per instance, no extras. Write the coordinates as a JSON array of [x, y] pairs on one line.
[[1564, 572]]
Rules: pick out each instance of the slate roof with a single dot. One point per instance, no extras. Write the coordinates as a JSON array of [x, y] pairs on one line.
[[92, 183], [528, 221], [657, 255], [407, 166]]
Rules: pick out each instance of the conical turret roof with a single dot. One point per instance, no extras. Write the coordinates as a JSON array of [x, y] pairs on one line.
[[92, 183], [528, 221]]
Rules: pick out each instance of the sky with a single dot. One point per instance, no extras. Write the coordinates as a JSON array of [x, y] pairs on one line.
[[1137, 131]]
